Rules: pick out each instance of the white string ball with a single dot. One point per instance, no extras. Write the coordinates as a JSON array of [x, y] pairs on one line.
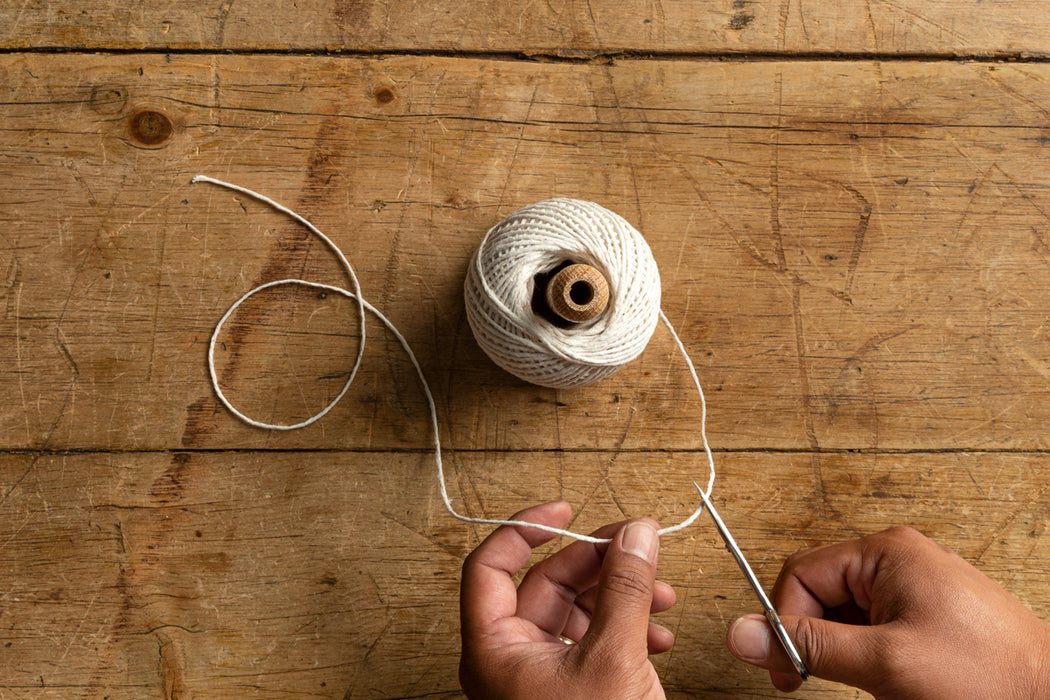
[[535, 240]]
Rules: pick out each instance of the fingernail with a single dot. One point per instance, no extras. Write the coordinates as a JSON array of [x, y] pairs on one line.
[[751, 638], [640, 539]]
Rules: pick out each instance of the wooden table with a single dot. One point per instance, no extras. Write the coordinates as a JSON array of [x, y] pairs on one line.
[[849, 203]]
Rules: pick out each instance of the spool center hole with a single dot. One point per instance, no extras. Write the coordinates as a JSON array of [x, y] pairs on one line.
[[581, 293]]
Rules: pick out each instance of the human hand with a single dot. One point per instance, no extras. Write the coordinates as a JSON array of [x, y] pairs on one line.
[[600, 596], [899, 616]]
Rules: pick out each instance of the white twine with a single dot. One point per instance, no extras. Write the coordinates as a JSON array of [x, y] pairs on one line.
[[355, 295], [499, 285], [579, 365]]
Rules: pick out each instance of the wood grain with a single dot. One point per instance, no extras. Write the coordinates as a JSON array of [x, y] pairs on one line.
[[864, 273], [854, 252], [331, 573], [1017, 28]]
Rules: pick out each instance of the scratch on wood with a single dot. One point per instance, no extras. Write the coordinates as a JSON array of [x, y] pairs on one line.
[[975, 189], [15, 533], [87, 190], [785, 8], [156, 303], [682, 241], [926, 20], [1022, 192], [1008, 521], [12, 278], [76, 633], [1015, 94], [19, 370], [1041, 367], [170, 666], [872, 35], [425, 536], [360, 667], [517, 145], [628, 153], [215, 110], [607, 464], [111, 650], [801, 352], [969, 473], [858, 240], [594, 22], [802, 25], [220, 25], [990, 421], [877, 340]]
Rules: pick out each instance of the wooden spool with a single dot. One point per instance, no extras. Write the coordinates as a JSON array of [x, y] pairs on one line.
[[578, 293]]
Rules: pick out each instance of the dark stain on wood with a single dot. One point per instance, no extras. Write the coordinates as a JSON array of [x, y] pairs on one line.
[[168, 487], [740, 20]]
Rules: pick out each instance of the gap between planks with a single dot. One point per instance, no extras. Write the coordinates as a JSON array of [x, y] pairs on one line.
[[568, 56]]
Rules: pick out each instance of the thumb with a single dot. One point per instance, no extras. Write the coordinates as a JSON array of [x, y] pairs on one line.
[[852, 654], [620, 621]]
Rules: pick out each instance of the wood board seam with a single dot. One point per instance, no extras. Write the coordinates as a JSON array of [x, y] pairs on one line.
[[587, 57], [58, 452]]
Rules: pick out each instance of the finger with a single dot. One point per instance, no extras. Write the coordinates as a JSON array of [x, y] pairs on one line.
[[751, 639], [830, 576], [487, 592], [549, 592], [658, 638], [844, 574], [663, 598], [577, 625], [832, 650], [620, 622]]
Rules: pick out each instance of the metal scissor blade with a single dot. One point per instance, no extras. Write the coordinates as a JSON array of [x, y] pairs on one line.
[[767, 605]]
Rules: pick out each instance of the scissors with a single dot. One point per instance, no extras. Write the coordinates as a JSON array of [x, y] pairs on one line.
[[771, 613]]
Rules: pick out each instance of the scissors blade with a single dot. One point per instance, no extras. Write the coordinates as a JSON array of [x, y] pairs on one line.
[[767, 605]]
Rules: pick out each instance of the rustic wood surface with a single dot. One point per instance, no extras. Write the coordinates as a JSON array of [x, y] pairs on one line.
[[855, 252], [575, 28]]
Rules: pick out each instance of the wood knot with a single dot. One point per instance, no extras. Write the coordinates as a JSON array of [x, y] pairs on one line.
[[150, 128], [384, 95], [109, 101]]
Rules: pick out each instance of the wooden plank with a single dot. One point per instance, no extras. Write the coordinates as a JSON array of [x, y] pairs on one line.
[[330, 573], [940, 27], [855, 255]]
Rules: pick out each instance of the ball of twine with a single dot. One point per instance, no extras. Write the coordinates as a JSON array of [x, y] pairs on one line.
[[535, 240]]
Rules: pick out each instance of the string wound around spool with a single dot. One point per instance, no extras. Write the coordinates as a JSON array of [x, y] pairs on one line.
[[505, 292]]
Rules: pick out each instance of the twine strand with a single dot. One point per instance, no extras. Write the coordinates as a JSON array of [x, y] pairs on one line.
[[585, 364]]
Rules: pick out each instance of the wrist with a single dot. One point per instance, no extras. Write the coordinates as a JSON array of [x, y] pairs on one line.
[[1040, 665]]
